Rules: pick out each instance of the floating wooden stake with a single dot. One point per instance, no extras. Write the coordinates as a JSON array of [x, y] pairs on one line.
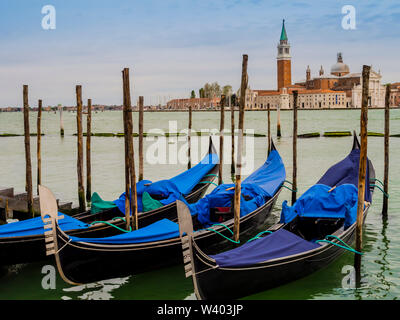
[[190, 137], [221, 140], [131, 158], [295, 96], [81, 188], [269, 129], [244, 82], [362, 171], [386, 168], [278, 122], [88, 150], [61, 122], [28, 164], [141, 119], [39, 147], [232, 107]]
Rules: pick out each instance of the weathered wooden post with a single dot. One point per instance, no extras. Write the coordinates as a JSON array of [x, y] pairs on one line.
[[88, 150], [28, 164], [244, 82], [190, 137], [295, 97], [269, 129], [39, 147], [61, 108], [81, 189], [221, 140], [278, 121], [362, 171], [141, 119], [232, 108], [131, 158], [386, 168], [127, 159]]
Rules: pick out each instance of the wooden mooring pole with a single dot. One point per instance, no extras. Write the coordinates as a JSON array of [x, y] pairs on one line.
[[278, 121], [61, 122], [28, 164], [295, 97], [244, 83], [130, 156], [362, 171], [39, 147], [190, 137], [127, 159], [386, 165], [269, 129], [221, 140], [141, 123], [232, 108], [81, 188], [88, 151]]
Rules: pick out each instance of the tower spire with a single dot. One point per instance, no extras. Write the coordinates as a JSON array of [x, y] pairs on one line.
[[284, 36]]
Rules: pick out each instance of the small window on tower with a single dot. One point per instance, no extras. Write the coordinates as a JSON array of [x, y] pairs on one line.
[[287, 50], [281, 50]]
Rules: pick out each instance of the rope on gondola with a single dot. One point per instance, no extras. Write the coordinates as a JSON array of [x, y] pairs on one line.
[[112, 225], [376, 186], [345, 245], [283, 185], [258, 235], [219, 233], [210, 182], [377, 180]]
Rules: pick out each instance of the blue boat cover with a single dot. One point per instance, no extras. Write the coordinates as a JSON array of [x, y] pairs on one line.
[[160, 230], [32, 227], [281, 243], [346, 172], [172, 189], [256, 190], [318, 202]]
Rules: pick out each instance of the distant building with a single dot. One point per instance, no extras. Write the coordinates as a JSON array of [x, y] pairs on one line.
[[395, 94], [196, 103], [339, 89]]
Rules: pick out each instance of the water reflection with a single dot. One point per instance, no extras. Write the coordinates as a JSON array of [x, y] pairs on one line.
[[96, 291]]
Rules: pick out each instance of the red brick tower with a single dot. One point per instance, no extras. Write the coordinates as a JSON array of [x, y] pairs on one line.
[[284, 61]]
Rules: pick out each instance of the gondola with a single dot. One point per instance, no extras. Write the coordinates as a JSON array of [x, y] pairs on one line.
[[22, 242], [81, 260], [310, 235]]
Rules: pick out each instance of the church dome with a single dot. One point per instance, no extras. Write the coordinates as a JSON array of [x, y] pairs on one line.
[[340, 69]]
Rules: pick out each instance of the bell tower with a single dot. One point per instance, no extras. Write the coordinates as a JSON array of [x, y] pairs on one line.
[[284, 60]]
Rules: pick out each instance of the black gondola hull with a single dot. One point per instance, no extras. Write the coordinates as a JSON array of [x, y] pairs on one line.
[[84, 263], [233, 283], [27, 249]]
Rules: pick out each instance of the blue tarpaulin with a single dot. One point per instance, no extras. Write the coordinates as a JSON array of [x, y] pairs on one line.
[[346, 172], [279, 244], [260, 186], [317, 202], [160, 230], [172, 189], [34, 226]]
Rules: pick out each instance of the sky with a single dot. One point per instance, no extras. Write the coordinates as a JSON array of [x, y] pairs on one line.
[[175, 46]]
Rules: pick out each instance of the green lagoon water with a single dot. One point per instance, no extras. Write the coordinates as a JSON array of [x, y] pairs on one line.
[[381, 261]]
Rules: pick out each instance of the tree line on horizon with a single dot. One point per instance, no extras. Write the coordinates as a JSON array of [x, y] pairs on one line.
[[214, 90]]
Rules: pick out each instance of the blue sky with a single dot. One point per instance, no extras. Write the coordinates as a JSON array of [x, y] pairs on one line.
[[175, 46]]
